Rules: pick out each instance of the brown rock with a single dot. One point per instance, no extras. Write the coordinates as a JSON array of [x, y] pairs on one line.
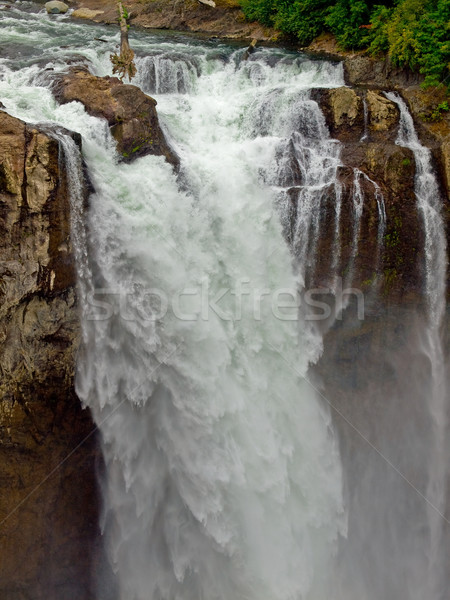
[[446, 160], [130, 113], [326, 44], [343, 111], [393, 271], [86, 13], [433, 125], [361, 69], [345, 105], [383, 114], [48, 498]]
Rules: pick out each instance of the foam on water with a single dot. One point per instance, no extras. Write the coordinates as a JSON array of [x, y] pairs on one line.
[[223, 478]]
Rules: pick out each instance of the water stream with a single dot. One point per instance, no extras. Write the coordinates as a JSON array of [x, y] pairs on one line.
[[429, 202]]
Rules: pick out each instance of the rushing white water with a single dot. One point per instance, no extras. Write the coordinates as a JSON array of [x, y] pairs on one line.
[[222, 473], [365, 135], [207, 428], [318, 158], [358, 204], [429, 202]]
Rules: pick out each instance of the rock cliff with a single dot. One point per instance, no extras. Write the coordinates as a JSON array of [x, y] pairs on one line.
[[366, 123], [131, 114], [364, 72], [46, 463]]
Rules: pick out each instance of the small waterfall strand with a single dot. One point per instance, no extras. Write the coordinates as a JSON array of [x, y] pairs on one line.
[[429, 203]]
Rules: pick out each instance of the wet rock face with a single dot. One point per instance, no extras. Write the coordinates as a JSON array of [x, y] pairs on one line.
[[343, 111], [131, 114], [48, 513], [433, 125], [366, 123], [374, 74], [365, 70], [383, 115]]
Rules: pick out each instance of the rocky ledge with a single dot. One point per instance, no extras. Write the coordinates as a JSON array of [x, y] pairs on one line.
[[131, 114], [363, 72], [49, 517], [373, 165]]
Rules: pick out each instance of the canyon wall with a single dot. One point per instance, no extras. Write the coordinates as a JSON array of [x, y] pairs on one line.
[[49, 505]]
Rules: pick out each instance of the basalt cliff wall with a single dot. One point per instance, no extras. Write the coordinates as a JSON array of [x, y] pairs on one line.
[[391, 268], [371, 208], [49, 504]]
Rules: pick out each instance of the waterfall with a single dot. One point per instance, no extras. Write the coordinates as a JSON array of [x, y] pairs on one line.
[[223, 475], [72, 166], [429, 202], [317, 157], [306, 175], [223, 478], [167, 73], [365, 135], [358, 200], [222, 471]]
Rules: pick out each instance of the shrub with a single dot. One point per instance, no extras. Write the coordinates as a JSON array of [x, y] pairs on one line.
[[415, 33], [345, 19]]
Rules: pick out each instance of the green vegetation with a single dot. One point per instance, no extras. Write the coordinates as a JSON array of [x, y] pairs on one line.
[[390, 277], [415, 33], [437, 113], [392, 238], [4, 184], [370, 281]]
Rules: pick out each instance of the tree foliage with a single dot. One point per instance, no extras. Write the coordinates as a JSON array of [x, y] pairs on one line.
[[415, 33]]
